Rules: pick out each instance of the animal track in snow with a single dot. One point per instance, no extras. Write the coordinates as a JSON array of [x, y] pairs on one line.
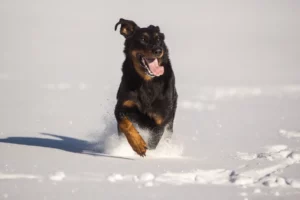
[[272, 153], [259, 176], [251, 178], [265, 176]]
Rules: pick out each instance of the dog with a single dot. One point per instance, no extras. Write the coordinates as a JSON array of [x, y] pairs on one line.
[[147, 96]]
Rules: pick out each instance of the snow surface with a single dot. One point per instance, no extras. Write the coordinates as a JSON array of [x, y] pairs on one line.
[[236, 132]]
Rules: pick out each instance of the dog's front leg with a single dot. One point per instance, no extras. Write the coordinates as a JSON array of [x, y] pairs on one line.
[[125, 125]]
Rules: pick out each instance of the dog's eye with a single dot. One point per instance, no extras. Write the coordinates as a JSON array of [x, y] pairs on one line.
[[144, 39]]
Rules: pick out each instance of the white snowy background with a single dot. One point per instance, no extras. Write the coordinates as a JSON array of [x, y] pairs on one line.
[[237, 127]]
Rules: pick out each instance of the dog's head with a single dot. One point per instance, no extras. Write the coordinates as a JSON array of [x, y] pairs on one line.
[[146, 48]]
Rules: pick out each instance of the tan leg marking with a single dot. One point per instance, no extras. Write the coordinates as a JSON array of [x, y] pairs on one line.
[[157, 118], [133, 137]]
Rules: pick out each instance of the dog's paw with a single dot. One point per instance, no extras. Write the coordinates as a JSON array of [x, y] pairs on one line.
[[138, 144]]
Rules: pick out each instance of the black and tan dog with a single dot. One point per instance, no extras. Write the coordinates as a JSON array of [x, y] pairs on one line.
[[147, 95]]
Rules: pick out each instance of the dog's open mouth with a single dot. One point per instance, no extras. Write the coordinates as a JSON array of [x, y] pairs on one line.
[[151, 65]]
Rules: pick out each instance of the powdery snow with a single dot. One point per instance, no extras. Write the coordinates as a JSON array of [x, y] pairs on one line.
[[290, 134], [7, 176], [58, 176]]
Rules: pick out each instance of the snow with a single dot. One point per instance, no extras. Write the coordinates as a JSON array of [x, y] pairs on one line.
[[257, 190], [146, 177], [246, 156], [289, 134], [236, 132], [17, 176], [58, 176]]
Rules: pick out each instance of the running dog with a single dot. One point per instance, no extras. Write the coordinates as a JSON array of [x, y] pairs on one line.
[[147, 95]]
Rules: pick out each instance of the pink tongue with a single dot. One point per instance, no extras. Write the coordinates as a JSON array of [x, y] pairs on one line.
[[155, 68]]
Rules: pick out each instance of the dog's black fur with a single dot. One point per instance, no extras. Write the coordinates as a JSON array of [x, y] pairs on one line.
[[153, 99]]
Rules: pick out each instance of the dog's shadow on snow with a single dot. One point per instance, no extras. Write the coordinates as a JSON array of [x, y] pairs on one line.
[[69, 144]]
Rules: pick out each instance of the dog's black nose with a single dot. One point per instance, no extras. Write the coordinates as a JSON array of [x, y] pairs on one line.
[[157, 52]]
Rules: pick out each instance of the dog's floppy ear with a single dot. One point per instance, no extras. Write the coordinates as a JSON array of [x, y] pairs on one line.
[[128, 27], [157, 28]]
